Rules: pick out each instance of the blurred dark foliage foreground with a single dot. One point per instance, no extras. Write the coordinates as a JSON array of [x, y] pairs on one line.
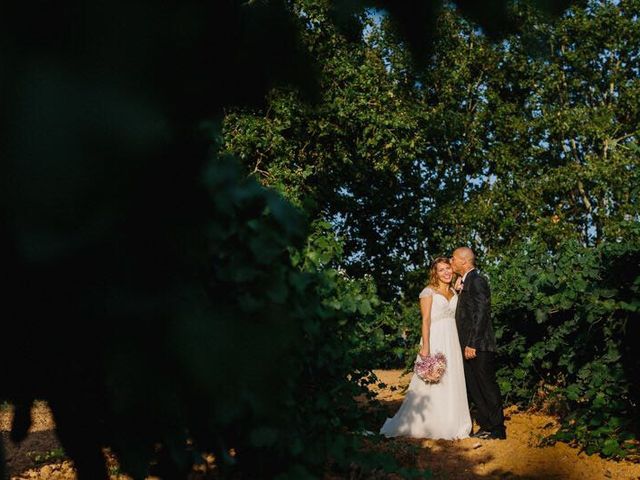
[[155, 307]]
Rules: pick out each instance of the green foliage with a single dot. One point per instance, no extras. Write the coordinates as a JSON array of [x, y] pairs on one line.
[[272, 361], [291, 326], [373, 154], [379, 338], [526, 150], [201, 319], [566, 321], [50, 456], [552, 137], [484, 145]]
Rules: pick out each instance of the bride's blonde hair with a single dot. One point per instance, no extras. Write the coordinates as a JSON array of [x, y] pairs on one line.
[[433, 271]]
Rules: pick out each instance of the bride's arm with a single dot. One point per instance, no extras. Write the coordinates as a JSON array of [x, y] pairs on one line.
[[425, 309]]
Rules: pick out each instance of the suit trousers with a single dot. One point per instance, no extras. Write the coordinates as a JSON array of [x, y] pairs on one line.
[[482, 387]]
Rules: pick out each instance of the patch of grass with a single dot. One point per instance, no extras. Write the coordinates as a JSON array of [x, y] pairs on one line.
[[50, 456]]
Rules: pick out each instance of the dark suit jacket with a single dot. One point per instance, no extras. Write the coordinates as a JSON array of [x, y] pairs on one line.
[[473, 314]]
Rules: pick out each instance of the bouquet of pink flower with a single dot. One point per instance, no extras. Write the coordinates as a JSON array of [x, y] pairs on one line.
[[431, 368]]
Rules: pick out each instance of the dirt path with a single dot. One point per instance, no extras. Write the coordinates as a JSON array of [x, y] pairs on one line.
[[41, 445], [517, 457]]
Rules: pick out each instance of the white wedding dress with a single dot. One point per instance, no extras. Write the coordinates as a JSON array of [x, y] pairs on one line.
[[437, 410]]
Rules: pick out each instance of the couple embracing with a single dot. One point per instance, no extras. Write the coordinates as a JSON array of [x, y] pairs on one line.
[[455, 321]]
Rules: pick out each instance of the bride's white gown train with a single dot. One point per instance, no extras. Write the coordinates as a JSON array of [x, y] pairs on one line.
[[437, 410]]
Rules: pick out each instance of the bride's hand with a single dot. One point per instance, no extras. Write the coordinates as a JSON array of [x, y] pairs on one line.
[[424, 352]]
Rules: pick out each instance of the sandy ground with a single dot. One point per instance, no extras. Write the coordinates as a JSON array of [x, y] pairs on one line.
[[520, 457], [517, 457]]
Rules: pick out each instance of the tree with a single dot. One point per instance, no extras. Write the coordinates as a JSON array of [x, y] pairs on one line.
[[106, 220], [526, 150], [381, 153], [561, 139]]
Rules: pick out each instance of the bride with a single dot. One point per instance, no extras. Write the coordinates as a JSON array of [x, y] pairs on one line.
[[438, 410]]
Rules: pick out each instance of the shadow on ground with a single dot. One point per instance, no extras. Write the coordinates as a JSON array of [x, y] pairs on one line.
[[37, 449], [455, 460]]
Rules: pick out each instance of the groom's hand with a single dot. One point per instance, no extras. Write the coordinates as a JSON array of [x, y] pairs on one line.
[[469, 353]]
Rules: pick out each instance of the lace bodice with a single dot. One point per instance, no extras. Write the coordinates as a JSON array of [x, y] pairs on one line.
[[441, 308]]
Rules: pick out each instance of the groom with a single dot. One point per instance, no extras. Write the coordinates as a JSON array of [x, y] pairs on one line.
[[478, 345]]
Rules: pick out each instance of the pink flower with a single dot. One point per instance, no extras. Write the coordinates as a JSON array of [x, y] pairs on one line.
[[431, 368]]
